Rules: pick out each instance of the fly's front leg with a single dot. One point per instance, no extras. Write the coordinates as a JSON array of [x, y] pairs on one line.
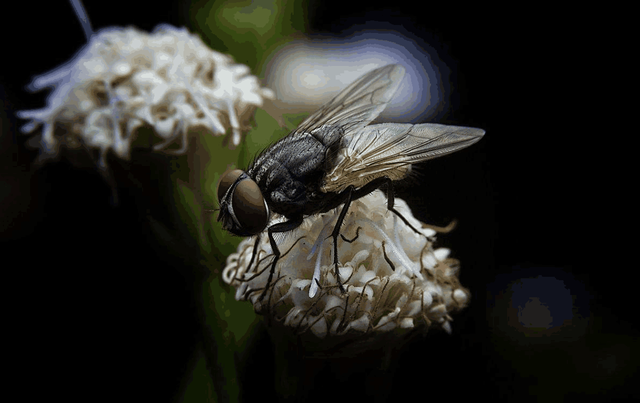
[[280, 227], [255, 252]]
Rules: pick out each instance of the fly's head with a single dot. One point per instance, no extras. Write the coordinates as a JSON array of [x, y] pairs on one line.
[[243, 209]]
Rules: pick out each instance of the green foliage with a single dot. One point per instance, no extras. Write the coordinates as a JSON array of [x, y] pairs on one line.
[[249, 30]]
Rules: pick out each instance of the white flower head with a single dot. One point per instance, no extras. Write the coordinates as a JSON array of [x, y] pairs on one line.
[[125, 78], [394, 278]]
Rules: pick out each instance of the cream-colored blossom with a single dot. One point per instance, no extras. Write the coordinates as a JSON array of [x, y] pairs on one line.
[[423, 289], [125, 78]]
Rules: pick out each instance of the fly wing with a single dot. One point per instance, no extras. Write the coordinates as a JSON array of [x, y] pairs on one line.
[[358, 104], [389, 149]]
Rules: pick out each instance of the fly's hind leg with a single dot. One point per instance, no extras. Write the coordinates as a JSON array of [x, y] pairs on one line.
[[388, 183], [390, 201]]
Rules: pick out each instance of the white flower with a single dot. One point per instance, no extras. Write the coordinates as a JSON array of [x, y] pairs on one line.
[[124, 79], [423, 289]]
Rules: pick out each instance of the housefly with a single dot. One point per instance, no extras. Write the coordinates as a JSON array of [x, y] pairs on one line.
[[332, 158]]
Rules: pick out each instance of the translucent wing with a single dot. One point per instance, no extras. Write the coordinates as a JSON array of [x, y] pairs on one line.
[[389, 150], [358, 104]]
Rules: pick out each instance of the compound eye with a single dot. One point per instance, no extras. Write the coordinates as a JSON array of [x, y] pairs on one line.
[[249, 207], [226, 181]]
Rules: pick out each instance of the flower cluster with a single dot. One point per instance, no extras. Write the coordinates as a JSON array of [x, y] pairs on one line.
[[394, 278], [124, 79]]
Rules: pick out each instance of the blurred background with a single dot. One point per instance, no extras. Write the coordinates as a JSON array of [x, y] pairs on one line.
[[108, 300]]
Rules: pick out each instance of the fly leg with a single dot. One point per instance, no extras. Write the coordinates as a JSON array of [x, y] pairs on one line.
[[255, 252], [348, 193], [280, 227], [376, 184]]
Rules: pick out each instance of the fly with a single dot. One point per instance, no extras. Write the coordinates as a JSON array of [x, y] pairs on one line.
[[334, 157]]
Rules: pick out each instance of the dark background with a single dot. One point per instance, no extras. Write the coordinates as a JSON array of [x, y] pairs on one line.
[[106, 312]]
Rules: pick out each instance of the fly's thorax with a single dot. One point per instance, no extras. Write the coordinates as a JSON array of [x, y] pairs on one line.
[[243, 209]]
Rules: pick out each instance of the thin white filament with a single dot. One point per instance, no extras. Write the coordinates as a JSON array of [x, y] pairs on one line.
[[398, 252]]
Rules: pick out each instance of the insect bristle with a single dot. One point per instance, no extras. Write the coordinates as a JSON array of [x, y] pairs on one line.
[[414, 178]]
